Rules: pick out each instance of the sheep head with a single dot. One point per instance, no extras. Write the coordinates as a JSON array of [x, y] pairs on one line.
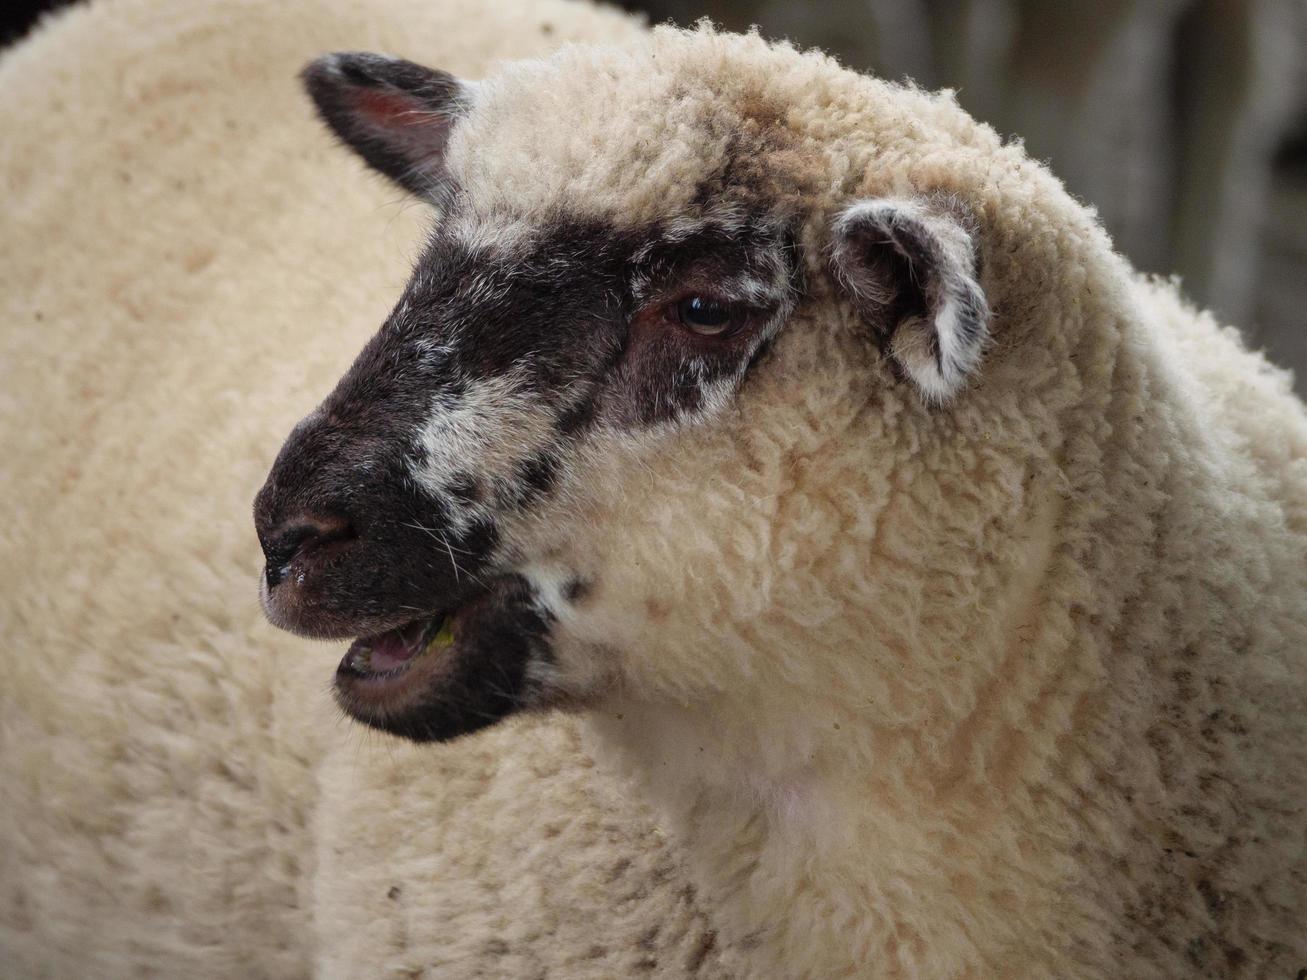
[[645, 393]]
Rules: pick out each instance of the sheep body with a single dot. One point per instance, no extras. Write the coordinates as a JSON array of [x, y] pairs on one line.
[[1009, 685]]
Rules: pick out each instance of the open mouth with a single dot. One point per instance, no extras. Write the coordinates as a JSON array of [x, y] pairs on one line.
[[376, 658], [450, 673], [387, 676]]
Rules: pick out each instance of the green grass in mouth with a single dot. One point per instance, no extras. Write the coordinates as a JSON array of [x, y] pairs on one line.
[[444, 637]]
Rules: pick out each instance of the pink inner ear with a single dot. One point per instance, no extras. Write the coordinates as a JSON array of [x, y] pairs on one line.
[[400, 120], [387, 110]]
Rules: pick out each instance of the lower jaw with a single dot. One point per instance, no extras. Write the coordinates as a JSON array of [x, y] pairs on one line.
[[446, 675], [385, 672], [386, 654]]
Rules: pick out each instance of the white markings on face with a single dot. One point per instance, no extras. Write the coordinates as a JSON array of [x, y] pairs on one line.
[[557, 590], [717, 394], [731, 264], [430, 350], [484, 434], [484, 289], [490, 444], [551, 585], [730, 220], [504, 238]]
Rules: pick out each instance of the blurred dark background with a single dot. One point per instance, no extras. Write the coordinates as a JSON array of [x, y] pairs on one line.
[[1184, 122], [17, 16]]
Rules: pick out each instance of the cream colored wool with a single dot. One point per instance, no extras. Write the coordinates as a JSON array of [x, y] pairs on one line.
[[186, 263], [1012, 686]]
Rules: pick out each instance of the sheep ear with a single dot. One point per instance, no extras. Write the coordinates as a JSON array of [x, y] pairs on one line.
[[395, 114], [912, 273]]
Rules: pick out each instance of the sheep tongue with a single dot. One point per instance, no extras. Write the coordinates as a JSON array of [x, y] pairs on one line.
[[389, 650], [386, 651]]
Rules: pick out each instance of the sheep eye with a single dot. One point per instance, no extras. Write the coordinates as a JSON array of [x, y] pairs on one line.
[[704, 316]]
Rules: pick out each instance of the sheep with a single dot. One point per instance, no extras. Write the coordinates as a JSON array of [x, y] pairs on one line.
[[939, 579]]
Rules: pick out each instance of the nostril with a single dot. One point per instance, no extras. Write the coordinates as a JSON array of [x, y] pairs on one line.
[[301, 536]]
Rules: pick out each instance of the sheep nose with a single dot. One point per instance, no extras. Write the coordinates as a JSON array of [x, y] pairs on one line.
[[301, 535]]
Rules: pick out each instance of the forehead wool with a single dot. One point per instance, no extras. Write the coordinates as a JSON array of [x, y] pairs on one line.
[[679, 120]]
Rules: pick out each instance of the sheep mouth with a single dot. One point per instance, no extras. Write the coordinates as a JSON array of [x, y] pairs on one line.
[[386, 677], [450, 673], [388, 654]]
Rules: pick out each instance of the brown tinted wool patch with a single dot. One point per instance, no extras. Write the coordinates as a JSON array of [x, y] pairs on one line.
[[768, 167]]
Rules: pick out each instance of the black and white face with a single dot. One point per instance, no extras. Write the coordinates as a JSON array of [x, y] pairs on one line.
[[385, 511], [391, 515]]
